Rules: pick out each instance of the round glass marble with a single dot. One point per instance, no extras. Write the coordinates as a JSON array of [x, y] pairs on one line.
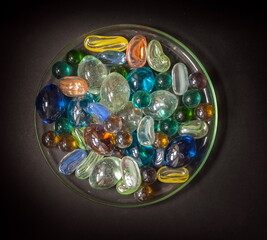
[[177, 52]]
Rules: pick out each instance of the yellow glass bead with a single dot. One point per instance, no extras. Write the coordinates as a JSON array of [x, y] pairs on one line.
[[172, 175], [98, 43]]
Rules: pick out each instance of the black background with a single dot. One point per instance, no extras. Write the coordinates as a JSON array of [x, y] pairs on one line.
[[228, 196]]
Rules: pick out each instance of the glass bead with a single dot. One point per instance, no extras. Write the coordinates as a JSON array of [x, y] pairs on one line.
[[145, 131], [195, 128], [110, 58], [161, 140], [113, 124], [77, 133], [183, 114], [198, 80], [123, 139], [204, 112], [191, 98], [156, 126], [67, 143], [173, 175], [144, 193], [158, 160], [141, 99], [169, 126], [50, 139], [73, 57], [149, 175], [73, 86], [119, 69], [63, 126], [163, 81], [62, 69], [98, 111], [179, 79]]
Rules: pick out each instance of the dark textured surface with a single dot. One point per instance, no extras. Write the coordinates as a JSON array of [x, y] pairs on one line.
[[227, 198]]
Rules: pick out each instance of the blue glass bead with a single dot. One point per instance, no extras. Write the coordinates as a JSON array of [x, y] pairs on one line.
[[180, 151], [71, 161], [98, 111], [62, 69], [50, 103], [111, 58], [141, 79]]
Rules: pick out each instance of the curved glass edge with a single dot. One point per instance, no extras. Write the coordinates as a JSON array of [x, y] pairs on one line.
[[215, 120]]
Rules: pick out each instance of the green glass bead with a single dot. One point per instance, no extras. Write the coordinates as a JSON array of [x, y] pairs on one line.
[[73, 57], [191, 98], [120, 69], [169, 126], [77, 133], [141, 99], [63, 126], [163, 81], [62, 69], [183, 114], [156, 126]]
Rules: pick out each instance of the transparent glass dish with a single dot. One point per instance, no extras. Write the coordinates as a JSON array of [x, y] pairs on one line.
[[177, 52]]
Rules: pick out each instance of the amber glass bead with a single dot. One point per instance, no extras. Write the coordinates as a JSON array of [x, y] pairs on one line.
[[123, 139], [144, 194], [161, 140], [204, 112], [67, 143], [50, 139]]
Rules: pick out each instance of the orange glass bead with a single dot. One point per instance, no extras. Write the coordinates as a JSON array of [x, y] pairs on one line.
[[136, 51], [73, 86], [50, 139], [161, 140], [204, 112], [67, 143]]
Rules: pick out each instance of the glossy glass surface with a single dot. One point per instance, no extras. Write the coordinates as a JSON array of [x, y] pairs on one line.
[[177, 52]]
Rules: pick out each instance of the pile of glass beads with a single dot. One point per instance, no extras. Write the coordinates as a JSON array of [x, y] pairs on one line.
[[126, 117]]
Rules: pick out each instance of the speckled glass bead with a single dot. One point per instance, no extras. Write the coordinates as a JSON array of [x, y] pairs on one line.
[[98, 111], [63, 126], [173, 175], [50, 139], [179, 79], [144, 193], [183, 114], [73, 86], [204, 112], [163, 81], [119, 69], [169, 126], [149, 175], [195, 128], [197, 80], [77, 133], [141, 99], [73, 57], [61, 69], [110, 58], [113, 124], [191, 98], [123, 139], [67, 143], [161, 140], [145, 131]]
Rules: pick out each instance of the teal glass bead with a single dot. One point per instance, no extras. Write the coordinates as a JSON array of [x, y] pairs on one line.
[[63, 126], [183, 114], [191, 98], [169, 126], [157, 126], [119, 69], [141, 99], [61, 69], [163, 81], [73, 57]]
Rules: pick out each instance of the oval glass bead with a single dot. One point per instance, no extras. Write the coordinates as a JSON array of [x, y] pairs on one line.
[[50, 103], [195, 128], [114, 92], [172, 175], [110, 58], [156, 58], [98, 111], [93, 71], [97, 43], [158, 160], [136, 51], [198, 80], [180, 80], [106, 173], [71, 161], [73, 86], [204, 112], [77, 133], [162, 105], [145, 131]]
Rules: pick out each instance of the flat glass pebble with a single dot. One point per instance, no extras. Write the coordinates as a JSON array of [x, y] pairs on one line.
[[62, 69], [169, 126], [67, 143], [141, 99], [77, 133], [204, 112], [63, 126], [130, 116], [110, 58], [71, 161], [180, 81], [136, 51], [141, 79], [162, 105], [161, 140], [50, 103], [73, 86], [149, 175], [98, 111], [183, 114], [113, 124], [195, 128], [158, 160], [50, 139], [156, 58], [180, 151], [163, 81], [197, 80], [97, 43], [145, 131], [119, 69], [84, 170], [114, 92], [123, 139], [191, 98], [93, 71], [106, 173], [73, 57], [144, 194], [173, 175]]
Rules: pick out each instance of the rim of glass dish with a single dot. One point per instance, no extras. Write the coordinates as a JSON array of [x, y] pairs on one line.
[[213, 137]]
